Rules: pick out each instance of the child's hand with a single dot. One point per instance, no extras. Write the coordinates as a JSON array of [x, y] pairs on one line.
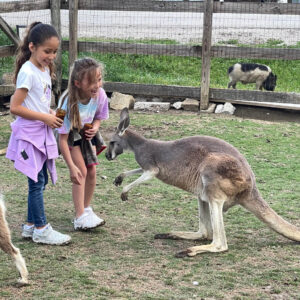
[[75, 175], [90, 133], [52, 121]]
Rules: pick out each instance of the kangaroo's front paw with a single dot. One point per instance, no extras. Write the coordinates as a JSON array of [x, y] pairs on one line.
[[124, 196], [118, 181]]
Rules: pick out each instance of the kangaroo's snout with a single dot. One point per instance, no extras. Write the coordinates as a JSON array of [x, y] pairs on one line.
[[108, 155]]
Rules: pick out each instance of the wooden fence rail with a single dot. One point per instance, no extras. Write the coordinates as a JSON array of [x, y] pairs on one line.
[[158, 6]]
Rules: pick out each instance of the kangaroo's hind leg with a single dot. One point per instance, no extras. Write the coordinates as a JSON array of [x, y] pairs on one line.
[[219, 243], [204, 232]]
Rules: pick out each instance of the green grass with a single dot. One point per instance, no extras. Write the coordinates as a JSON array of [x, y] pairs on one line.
[[185, 71], [122, 260], [182, 71]]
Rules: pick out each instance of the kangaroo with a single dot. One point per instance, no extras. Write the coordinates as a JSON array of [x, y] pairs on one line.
[[7, 246], [212, 169]]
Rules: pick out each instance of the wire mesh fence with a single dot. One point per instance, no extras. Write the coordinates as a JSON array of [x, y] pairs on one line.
[[160, 42]]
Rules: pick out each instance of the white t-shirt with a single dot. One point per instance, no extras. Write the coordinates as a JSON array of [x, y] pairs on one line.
[[38, 84]]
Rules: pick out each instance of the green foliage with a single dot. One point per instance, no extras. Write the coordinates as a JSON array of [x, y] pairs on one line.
[[184, 71], [4, 40], [122, 260], [171, 70]]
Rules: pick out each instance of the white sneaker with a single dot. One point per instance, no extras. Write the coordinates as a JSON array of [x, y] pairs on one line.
[[88, 220], [27, 231], [90, 211], [50, 236]]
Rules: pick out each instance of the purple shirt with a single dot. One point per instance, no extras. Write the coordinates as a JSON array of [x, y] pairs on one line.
[[32, 143]]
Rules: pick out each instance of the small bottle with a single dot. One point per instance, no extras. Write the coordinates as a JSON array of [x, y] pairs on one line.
[[86, 126], [60, 113]]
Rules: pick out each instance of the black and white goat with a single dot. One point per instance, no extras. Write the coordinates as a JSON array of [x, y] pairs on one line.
[[252, 73], [7, 246]]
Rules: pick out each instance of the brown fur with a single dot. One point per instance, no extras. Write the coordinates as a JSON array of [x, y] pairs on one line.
[[206, 166], [7, 246]]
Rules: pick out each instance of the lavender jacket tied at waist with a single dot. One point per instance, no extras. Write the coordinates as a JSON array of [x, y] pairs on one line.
[[31, 144]]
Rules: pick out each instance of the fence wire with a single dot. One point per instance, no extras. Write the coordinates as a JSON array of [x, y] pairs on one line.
[[167, 29]]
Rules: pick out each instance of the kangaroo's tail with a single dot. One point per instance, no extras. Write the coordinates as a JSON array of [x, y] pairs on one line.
[[260, 208]]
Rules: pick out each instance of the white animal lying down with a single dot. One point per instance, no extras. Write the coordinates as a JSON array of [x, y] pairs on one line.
[[252, 73], [7, 246], [208, 167]]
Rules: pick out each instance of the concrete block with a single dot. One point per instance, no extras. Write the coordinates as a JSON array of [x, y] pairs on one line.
[[211, 108], [119, 101], [152, 106], [191, 104]]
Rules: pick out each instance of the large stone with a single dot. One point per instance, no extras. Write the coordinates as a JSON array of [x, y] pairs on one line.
[[177, 105], [190, 104], [219, 109], [227, 108], [211, 108], [152, 106], [8, 78], [119, 101]]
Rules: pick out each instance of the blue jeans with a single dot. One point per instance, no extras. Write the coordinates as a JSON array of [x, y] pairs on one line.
[[36, 212]]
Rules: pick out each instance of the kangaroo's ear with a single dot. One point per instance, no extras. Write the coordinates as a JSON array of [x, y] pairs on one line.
[[124, 121]]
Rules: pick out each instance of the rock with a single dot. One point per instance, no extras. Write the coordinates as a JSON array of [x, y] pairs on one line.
[[8, 78], [190, 104], [228, 108], [3, 151], [119, 101], [211, 108], [219, 109], [177, 105], [152, 106]]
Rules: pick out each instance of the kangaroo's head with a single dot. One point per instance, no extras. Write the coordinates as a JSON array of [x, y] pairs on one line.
[[117, 143]]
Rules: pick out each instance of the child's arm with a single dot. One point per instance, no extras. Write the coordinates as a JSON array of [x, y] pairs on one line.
[[92, 132], [18, 109], [75, 174]]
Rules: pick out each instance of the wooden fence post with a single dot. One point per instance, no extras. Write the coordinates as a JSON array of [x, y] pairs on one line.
[[206, 48], [55, 21], [73, 30], [9, 32]]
